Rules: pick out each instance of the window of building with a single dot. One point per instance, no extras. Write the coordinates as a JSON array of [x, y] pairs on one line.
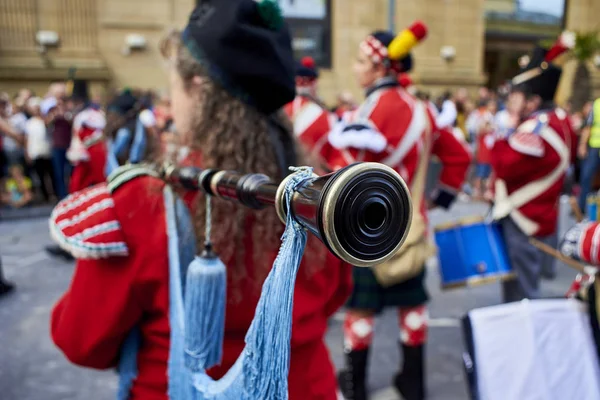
[[310, 26]]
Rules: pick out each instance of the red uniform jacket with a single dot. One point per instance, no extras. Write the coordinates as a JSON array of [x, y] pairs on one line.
[[581, 243], [530, 166], [390, 127], [312, 123], [88, 152], [121, 280]]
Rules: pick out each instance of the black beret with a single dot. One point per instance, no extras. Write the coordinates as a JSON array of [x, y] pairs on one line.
[[245, 47]]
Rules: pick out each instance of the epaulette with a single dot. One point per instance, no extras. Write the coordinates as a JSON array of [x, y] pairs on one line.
[[127, 173], [581, 243], [527, 139], [86, 224]]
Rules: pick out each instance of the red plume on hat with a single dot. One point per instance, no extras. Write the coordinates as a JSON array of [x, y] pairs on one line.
[[565, 42], [306, 69], [308, 62], [405, 80]]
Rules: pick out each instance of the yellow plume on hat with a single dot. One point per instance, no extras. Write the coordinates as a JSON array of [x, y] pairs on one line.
[[404, 42]]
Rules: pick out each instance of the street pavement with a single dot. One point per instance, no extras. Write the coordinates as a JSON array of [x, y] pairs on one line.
[[31, 368]]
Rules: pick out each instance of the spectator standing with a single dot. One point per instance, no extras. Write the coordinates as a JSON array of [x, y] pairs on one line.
[[7, 133], [17, 190], [448, 113], [13, 147], [162, 112], [59, 124], [345, 103], [589, 152], [37, 148], [122, 121], [146, 127], [480, 124]]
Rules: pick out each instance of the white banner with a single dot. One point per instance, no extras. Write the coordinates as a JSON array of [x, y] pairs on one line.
[[310, 9]]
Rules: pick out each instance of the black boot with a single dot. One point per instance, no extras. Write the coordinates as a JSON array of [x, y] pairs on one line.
[[410, 382], [5, 287], [352, 380], [59, 252]]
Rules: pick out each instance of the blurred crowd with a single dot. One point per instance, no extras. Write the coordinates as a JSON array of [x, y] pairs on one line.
[[490, 114], [36, 133], [478, 119]]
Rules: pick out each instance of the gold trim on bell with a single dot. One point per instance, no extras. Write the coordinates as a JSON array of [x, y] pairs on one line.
[[215, 181], [279, 203], [328, 216]]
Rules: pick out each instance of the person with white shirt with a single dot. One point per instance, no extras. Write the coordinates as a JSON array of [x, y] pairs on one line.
[[447, 115], [13, 146], [37, 147], [145, 126], [134, 133]]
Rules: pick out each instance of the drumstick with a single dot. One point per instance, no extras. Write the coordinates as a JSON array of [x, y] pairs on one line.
[[575, 208], [557, 254]]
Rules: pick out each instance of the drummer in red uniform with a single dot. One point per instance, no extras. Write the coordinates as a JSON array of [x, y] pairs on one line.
[[87, 152], [394, 128], [227, 99], [311, 119], [530, 166]]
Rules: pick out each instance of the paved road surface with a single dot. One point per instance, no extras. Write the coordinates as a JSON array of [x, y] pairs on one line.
[[32, 369]]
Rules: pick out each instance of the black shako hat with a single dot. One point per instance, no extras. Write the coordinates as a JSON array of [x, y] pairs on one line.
[[307, 68], [545, 82], [244, 46], [79, 90], [541, 76]]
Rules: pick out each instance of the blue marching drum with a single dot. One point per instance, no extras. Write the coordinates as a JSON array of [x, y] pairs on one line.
[[472, 252]]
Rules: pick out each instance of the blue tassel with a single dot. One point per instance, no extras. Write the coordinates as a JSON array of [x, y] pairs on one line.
[[267, 349], [205, 294], [127, 367]]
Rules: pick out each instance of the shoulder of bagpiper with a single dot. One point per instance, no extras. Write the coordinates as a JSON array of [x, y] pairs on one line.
[[579, 243], [87, 224], [127, 173], [527, 139]]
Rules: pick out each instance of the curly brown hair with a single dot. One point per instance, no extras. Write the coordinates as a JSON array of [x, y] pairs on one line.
[[231, 135]]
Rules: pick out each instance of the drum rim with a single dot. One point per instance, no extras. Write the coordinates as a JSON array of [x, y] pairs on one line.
[[475, 281], [465, 221]]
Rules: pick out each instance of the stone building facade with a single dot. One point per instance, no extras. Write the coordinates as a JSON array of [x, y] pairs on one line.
[[93, 39]]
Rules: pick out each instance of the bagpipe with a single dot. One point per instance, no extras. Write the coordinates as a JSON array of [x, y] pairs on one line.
[[362, 213]]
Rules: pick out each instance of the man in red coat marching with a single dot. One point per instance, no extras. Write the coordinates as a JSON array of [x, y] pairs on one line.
[[394, 128], [530, 164], [312, 121]]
